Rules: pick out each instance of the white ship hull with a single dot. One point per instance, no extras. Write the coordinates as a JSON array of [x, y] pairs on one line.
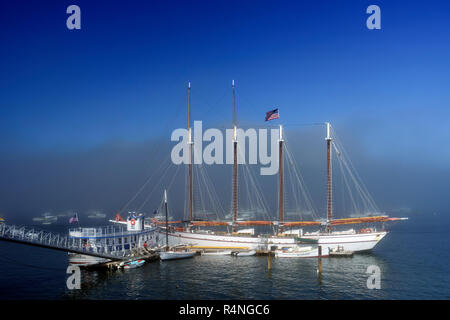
[[353, 242], [223, 242]]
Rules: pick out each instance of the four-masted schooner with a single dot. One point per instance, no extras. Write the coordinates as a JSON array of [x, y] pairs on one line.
[[192, 235]]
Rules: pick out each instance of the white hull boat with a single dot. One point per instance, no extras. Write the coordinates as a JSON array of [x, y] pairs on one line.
[[46, 219], [217, 253], [245, 253], [356, 242], [174, 255], [97, 216]]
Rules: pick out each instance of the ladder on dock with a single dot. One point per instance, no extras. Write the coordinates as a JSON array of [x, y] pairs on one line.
[[50, 240]]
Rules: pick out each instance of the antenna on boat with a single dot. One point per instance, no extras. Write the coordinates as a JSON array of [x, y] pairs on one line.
[[191, 193], [167, 220], [235, 200], [280, 141], [329, 176]]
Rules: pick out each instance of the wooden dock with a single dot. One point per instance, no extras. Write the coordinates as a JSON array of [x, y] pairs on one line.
[[341, 254]]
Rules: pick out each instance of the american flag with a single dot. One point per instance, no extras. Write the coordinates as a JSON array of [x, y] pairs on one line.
[[273, 114], [74, 218]]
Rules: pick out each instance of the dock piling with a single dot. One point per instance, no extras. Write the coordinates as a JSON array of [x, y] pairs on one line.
[[319, 257], [319, 267]]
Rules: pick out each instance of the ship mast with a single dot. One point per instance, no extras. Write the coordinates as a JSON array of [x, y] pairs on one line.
[[190, 156], [235, 200], [329, 177], [281, 202], [167, 220]]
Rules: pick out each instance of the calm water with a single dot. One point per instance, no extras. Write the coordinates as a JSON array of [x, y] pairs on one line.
[[414, 260]]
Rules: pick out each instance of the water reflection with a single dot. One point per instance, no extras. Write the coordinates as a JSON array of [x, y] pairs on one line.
[[227, 277]]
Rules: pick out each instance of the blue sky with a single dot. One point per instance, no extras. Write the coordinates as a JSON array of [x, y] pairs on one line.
[[123, 76]]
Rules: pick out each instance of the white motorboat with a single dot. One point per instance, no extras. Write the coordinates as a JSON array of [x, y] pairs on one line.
[[244, 253], [46, 219], [97, 215]]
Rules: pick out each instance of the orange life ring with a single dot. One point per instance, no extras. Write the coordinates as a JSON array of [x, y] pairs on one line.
[[132, 222]]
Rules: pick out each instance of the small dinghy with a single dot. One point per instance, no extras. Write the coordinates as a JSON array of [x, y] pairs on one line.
[[244, 253], [217, 253], [300, 252], [133, 264], [173, 255]]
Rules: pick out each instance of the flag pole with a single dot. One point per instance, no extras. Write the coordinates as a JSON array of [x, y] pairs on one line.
[[281, 176]]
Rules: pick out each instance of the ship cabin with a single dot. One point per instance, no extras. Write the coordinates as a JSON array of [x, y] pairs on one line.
[[118, 239]]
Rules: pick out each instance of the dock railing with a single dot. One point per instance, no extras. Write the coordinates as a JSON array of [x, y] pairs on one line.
[[46, 239]]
